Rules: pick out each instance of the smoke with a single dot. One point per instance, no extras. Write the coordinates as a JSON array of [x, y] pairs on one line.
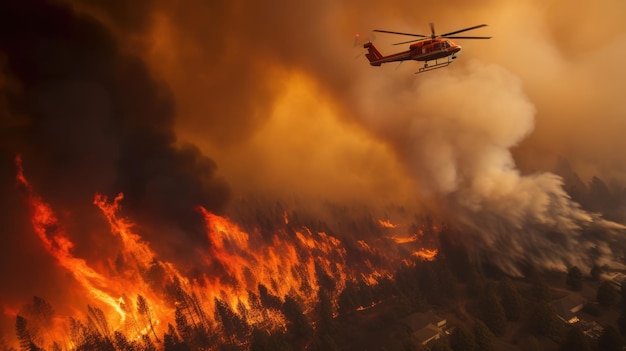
[[133, 97], [290, 105], [88, 116]]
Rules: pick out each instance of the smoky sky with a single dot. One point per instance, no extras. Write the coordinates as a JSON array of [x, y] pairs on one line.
[[279, 91], [169, 102], [89, 117]]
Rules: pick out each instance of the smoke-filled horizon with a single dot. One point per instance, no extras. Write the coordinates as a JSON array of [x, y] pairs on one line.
[[185, 104], [274, 94]]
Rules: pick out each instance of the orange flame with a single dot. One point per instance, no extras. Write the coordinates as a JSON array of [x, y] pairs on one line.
[[237, 263], [404, 239], [426, 254], [386, 224]]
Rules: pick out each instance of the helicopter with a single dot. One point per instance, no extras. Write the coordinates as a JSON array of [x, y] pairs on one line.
[[428, 48]]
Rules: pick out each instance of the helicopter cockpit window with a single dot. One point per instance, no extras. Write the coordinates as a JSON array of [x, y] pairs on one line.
[[446, 45]]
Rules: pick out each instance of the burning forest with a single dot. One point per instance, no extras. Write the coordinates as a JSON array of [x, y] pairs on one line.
[[249, 282], [224, 175]]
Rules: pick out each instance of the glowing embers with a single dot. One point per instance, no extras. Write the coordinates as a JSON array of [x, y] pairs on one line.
[[426, 254]]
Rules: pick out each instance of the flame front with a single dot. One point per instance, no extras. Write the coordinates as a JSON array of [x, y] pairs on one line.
[[245, 275]]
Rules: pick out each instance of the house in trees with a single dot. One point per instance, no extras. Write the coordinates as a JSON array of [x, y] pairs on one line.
[[567, 307], [615, 278], [426, 326]]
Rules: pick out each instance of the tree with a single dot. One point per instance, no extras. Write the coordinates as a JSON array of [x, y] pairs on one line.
[[621, 321], [606, 295], [348, 299], [539, 289], [440, 345], [261, 340], [462, 340], [235, 328], [610, 340], [596, 272], [543, 321], [144, 310], [484, 337], [492, 313], [575, 341], [24, 336], [574, 278], [511, 300], [171, 341], [298, 328], [122, 343]]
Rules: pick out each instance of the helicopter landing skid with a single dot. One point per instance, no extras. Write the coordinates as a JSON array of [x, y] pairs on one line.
[[437, 65]]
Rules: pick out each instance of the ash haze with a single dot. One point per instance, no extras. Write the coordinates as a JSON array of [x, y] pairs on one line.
[[267, 98], [273, 93]]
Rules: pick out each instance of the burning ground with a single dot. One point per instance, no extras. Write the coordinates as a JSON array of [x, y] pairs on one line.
[[194, 111]]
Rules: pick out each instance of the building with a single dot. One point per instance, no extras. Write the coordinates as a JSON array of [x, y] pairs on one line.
[[425, 326], [567, 307]]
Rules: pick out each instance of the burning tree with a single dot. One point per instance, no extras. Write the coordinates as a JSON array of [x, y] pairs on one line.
[[250, 285]]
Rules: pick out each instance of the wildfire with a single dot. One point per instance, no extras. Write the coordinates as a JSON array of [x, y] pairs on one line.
[[246, 276], [404, 239], [426, 254], [386, 224]]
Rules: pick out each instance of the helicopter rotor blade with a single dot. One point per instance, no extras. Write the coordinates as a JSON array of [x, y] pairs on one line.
[[432, 30], [409, 41], [461, 37], [463, 30], [400, 33]]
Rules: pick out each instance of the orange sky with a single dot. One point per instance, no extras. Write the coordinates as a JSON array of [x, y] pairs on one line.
[[242, 74], [278, 96]]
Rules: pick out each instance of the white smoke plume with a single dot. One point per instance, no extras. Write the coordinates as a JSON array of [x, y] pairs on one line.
[[455, 131]]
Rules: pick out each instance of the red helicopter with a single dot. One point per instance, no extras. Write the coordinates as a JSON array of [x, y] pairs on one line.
[[428, 48]]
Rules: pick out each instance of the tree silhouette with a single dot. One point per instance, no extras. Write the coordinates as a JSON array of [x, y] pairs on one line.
[[610, 340], [40, 312], [172, 342], [268, 300], [511, 300], [543, 321], [606, 295], [24, 336], [144, 310], [576, 341], [462, 340], [574, 278], [596, 272], [122, 343], [235, 328], [492, 313], [483, 336], [299, 331]]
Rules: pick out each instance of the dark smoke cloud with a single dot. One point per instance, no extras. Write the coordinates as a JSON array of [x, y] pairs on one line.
[[88, 116]]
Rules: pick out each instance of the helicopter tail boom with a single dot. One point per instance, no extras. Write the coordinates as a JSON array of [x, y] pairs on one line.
[[373, 55]]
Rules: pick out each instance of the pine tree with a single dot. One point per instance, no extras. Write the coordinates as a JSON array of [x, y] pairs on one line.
[[574, 278], [610, 340], [511, 300], [606, 295], [576, 341], [462, 340], [299, 331], [144, 310], [493, 313], [484, 337]]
